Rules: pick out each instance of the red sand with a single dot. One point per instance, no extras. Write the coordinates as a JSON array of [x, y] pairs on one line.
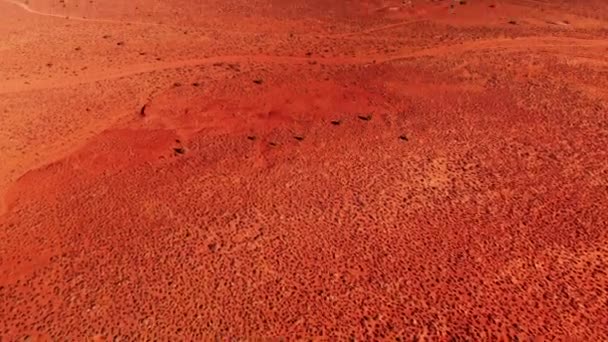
[[471, 204]]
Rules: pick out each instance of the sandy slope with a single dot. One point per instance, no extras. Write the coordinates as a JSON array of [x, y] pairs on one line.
[[242, 169]]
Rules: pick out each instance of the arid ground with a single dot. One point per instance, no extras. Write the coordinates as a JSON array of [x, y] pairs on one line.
[[346, 169]]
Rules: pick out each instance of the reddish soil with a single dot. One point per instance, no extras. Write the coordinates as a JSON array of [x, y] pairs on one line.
[[375, 169]]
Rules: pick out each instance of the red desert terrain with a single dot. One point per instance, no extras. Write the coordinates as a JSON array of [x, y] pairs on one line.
[[304, 169]]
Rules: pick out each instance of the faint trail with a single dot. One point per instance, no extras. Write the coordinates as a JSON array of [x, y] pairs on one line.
[[19, 85], [501, 44], [28, 9], [522, 44]]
